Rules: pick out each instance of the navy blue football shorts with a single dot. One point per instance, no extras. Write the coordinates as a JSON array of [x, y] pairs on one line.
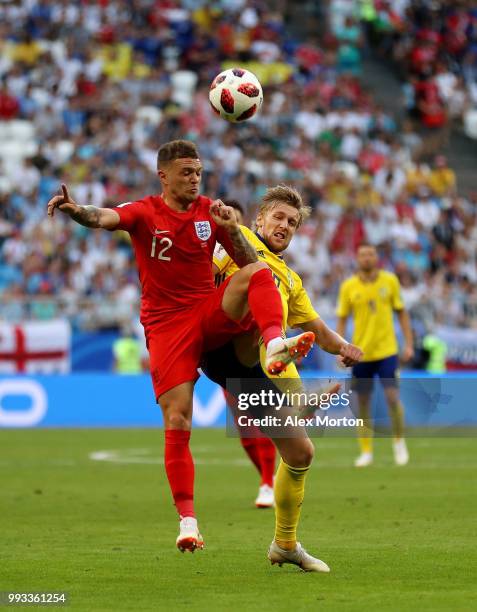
[[386, 369]]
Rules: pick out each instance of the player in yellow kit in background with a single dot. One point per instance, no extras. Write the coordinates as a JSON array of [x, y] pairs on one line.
[[281, 213], [371, 297]]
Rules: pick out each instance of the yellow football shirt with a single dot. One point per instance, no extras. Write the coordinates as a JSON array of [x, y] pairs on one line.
[[297, 306], [372, 305]]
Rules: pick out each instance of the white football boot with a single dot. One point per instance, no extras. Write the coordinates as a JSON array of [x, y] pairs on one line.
[[265, 497], [282, 351], [189, 537], [401, 454], [364, 460], [298, 556]]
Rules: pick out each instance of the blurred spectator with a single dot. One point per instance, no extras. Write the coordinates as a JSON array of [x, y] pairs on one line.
[[9, 104], [91, 106], [127, 351], [442, 178], [434, 44], [349, 233], [426, 208]]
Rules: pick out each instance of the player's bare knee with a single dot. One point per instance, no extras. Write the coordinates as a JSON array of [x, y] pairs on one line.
[[177, 419], [250, 269], [241, 280], [307, 453], [301, 455], [392, 397], [253, 268]]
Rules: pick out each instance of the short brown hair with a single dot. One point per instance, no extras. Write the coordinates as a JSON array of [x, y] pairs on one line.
[[235, 205], [366, 245], [284, 194], [176, 149]]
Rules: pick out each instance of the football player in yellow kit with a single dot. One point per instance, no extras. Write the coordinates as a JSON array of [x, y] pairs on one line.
[[371, 296], [281, 213]]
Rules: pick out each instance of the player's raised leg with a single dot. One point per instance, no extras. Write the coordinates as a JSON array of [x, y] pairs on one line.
[[296, 457], [176, 405], [252, 289]]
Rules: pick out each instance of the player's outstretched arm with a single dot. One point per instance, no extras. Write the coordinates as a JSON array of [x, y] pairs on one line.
[[234, 242], [341, 326], [89, 216], [333, 343], [405, 323]]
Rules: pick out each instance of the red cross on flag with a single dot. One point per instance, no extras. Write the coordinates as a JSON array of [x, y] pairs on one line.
[[35, 347]]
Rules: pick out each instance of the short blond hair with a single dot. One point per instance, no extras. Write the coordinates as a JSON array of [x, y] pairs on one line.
[[284, 194]]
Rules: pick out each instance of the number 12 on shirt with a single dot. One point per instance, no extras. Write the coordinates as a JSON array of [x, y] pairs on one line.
[[166, 244]]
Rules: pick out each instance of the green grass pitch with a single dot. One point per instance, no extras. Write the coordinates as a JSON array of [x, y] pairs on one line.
[[104, 531]]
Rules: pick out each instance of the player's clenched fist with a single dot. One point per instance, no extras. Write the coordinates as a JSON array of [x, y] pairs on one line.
[[350, 355], [63, 202], [222, 214]]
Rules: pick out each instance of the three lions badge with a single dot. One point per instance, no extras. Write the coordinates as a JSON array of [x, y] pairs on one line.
[[203, 230]]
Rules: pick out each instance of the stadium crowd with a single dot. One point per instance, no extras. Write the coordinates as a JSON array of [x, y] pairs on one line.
[[89, 90], [434, 45]]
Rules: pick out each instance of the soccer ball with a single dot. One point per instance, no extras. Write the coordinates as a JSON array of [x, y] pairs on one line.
[[236, 94]]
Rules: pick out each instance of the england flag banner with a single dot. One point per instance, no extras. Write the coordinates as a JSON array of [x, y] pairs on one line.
[[35, 347]]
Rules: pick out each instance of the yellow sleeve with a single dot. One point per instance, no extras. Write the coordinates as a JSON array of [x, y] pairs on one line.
[[249, 235], [221, 258], [300, 308], [396, 297], [343, 308]]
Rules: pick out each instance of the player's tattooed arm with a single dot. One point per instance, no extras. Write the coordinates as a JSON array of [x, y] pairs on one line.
[[237, 246], [243, 252], [86, 215], [89, 216]]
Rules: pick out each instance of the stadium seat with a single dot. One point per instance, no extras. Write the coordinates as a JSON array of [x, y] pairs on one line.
[[64, 149], [11, 150], [8, 275], [5, 184], [22, 131], [149, 114], [4, 131], [349, 169], [470, 123], [183, 87], [14, 150]]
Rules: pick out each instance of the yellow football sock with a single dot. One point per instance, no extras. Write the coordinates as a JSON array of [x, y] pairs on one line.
[[365, 431], [289, 493], [365, 444]]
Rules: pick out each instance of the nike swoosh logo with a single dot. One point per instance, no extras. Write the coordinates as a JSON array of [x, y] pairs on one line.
[[161, 231]]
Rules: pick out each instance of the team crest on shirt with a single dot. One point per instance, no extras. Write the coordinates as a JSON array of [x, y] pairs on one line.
[[290, 279], [203, 230], [383, 292]]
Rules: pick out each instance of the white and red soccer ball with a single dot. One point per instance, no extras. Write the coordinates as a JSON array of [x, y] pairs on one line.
[[236, 94]]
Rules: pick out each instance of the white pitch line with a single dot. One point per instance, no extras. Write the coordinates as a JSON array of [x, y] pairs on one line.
[[139, 456], [131, 457]]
